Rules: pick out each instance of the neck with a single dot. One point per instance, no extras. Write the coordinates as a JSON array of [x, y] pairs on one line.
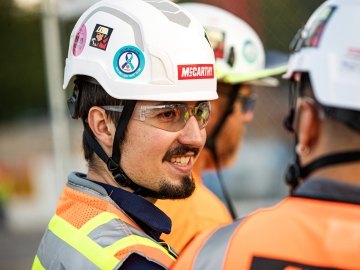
[[101, 175], [99, 172], [347, 172]]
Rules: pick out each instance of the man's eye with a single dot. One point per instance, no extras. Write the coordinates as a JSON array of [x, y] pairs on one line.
[[167, 115], [198, 112]]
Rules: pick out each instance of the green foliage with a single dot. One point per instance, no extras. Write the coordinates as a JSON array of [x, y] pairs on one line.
[[282, 19], [22, 79]]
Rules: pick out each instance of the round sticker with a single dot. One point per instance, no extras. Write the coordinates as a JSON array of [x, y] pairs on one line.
[[79, 42], [129, 62], [249, 51]]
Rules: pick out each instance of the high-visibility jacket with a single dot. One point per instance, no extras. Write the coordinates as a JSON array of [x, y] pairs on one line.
[[316, 229], [203, 210], [89, 231]]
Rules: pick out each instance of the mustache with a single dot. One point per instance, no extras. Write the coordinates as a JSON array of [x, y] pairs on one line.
[[180, 150]]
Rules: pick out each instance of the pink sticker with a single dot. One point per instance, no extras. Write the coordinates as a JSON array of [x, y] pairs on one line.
[[80, 41]]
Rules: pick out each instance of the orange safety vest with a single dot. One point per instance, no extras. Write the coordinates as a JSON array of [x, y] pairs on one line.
[[89, 231], [203, 210], [296, 234]]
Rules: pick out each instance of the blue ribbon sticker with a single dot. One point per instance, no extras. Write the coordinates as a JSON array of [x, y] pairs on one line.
[[129, 62]]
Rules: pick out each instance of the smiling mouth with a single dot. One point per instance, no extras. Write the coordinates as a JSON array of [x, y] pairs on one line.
[[181, 156], [182, 160]]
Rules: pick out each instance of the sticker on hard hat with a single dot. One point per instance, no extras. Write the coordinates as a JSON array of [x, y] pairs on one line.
[[249, 51], [129, 62], [100, 37], [195, 71], [79, 41], [311, 36], [217, 41]]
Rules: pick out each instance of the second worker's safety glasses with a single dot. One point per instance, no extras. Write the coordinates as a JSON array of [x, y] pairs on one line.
[[170, 117], [247, 101]]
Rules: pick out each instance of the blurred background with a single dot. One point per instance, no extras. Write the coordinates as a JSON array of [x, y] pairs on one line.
[[40, 144]]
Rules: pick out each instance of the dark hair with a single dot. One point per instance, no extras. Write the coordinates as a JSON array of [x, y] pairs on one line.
[[350, 118], [92, 94]]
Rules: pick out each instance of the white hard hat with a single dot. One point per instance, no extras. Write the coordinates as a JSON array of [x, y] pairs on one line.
[[329, 50], [239, 53], [153, 51]]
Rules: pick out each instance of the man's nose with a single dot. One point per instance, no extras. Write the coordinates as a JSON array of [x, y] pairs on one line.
[[191, 134]]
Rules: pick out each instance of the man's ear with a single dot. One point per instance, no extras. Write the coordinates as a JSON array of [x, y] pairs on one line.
[[309, 126], [102, 126]]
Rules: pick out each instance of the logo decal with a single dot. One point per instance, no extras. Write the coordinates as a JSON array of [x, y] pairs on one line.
[[79, 42], [249, 51], [318, 27], [100, 37], [129, 62], [195, 71], [311, 36], [217, 40]]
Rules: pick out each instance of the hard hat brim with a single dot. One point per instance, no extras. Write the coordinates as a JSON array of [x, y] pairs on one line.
[[275, 64]]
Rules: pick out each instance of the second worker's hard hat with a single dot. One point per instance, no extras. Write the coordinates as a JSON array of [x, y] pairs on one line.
[[239, 52]]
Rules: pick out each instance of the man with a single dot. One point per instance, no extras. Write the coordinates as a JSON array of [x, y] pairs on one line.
[[318, 225], [240, 64], [143, 101]]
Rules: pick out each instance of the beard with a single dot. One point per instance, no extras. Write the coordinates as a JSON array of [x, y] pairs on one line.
[[169, 191]]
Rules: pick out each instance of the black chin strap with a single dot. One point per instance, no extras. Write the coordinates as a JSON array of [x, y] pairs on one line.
[[295, 172], [211, 145], [113, 163]]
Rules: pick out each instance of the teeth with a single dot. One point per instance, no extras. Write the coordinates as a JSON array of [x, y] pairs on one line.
[[180, 160]]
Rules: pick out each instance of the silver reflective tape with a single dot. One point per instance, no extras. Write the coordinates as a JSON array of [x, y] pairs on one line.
[[213, 252]]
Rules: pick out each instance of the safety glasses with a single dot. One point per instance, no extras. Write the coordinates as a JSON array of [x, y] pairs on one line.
[[169, 117], [248, 102]]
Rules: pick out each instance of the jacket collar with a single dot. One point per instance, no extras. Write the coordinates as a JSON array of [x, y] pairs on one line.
[[326, 189]]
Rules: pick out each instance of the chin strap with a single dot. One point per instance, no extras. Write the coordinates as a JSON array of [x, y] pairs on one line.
[[113, 162], [224, 191], [295, 172], [211, 145]]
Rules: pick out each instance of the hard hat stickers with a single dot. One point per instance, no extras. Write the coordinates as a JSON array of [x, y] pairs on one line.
[[100, 37], [311, 37], [195, 71], [249, 51], [129, 62], [318, 27], [79, 41], [349, 66], [217, 40]]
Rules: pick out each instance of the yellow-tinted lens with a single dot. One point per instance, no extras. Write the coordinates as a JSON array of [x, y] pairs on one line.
[[173, 117]]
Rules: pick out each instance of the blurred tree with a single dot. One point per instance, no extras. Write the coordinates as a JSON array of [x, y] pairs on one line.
[[275, 21], [23, 92], [281, 20]]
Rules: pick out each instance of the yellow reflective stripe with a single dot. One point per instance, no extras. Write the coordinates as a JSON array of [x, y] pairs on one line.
[[237, 78], [97, 221], [37, 264], [82, 243], [134, 240]]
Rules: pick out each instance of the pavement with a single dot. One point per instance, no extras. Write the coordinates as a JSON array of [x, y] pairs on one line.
[[17, 249]]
